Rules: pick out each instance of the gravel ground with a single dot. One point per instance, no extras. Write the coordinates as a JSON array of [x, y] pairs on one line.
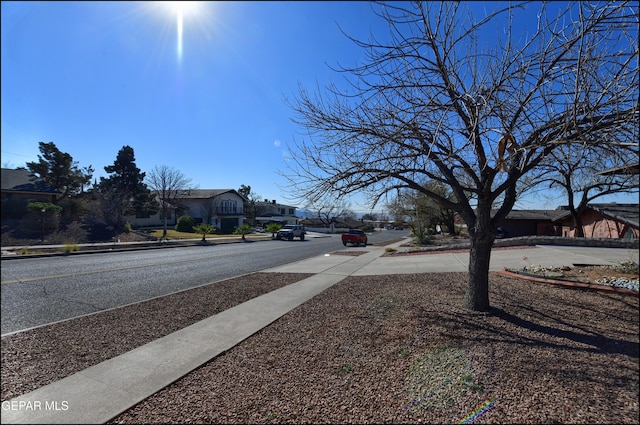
[[372, 349], [35, 358]]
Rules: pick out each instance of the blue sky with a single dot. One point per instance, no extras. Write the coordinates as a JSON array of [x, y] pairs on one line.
[[93, 77]]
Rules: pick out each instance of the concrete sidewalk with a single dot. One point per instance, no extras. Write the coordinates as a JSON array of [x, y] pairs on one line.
[[101, 392], [434, 262]]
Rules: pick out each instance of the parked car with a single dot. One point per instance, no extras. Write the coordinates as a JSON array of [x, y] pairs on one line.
[[501, 233], [354, 237], [290, 231]]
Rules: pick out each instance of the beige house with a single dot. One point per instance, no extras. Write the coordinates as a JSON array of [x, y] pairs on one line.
[[274, 212], [222, 208]]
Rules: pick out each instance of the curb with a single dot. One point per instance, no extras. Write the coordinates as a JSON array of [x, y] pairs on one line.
[[135, 246], [566, 284]]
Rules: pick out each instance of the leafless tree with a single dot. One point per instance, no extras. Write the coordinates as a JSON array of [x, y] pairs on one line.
[[473, 102], [575, 171], [251, 205], [169, 185], [209, 209], [329, 211]]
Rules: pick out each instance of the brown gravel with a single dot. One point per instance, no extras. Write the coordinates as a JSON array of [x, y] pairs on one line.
[[35, 358], [377, 349]]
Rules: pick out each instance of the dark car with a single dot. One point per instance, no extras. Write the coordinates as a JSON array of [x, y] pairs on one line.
[[501, 233]]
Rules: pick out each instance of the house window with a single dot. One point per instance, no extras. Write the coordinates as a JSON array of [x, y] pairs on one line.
[[228, 207], [142, 214], [291, 212]]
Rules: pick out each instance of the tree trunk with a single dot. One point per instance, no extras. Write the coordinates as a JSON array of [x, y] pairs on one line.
[[577, 223], [477, 295], [164, 221]]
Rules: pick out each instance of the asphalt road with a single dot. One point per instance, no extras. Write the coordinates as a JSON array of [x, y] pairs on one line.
[[37, 291]]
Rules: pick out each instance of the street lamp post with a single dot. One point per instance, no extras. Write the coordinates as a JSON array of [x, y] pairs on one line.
[[43, 211]]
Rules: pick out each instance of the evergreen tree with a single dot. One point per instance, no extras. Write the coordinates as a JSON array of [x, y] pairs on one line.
[[124, 191], [59, 170]]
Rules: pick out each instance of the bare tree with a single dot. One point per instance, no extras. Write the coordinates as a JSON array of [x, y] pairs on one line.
[[574, 170], [471, 103], [169, 185], [329, 211], [250, 203], [208, 209]]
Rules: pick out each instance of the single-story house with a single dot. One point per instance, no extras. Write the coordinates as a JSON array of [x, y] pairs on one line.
[[222, 208], [532, 223], [612, 220], [22, 184]]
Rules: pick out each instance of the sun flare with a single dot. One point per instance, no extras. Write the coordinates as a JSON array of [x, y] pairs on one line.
[[181, 9]]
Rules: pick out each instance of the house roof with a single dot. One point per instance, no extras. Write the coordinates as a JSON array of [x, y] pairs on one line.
[[207, 193], [22, 180], [273, 203], [626, 213], [535, 214]]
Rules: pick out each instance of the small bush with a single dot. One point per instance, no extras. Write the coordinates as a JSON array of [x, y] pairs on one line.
[[345, 369], [71, 248], [72, 208], [38, 221], [389, 249], [628, 266], [185, 224]]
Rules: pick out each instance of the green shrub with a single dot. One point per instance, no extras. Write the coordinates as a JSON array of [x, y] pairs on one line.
[[185, 224], [39, 221], [71, 247], [72, 208]]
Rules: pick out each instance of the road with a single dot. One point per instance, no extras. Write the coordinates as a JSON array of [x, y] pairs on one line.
[[37, 291]]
